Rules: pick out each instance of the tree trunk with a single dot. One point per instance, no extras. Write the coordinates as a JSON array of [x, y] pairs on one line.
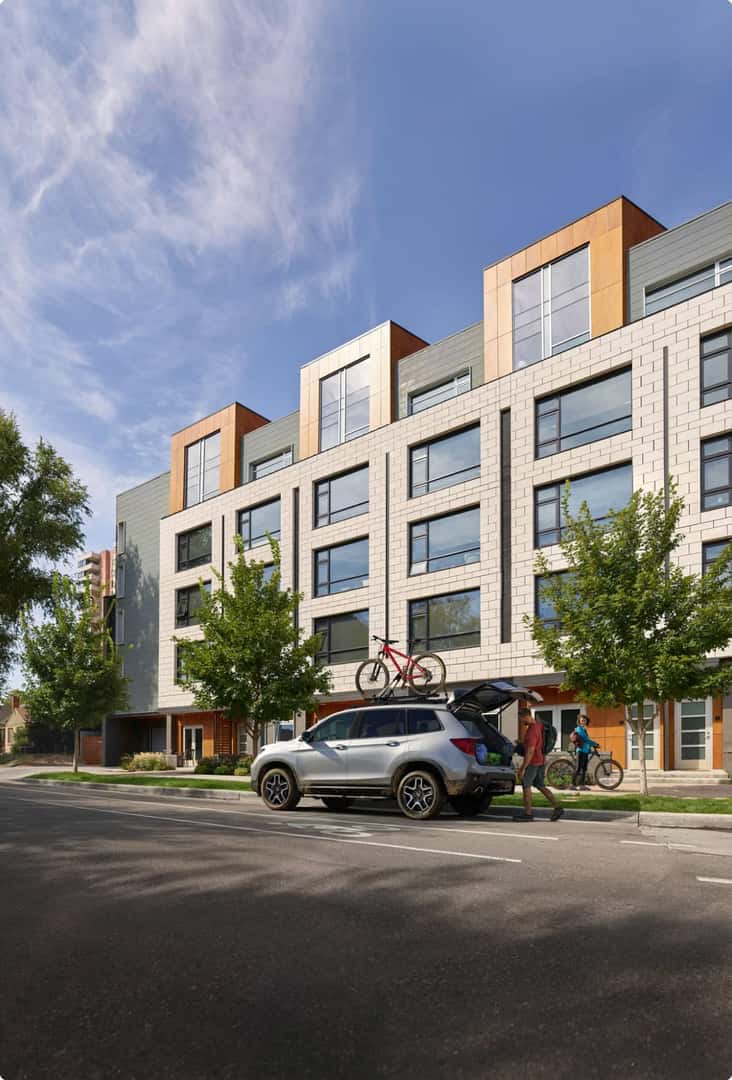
[[638, 727], [76, 750]]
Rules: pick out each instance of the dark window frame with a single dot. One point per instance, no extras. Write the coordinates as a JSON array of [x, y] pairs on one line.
[[720, 454], [556, 621], [328, 548], [557, 396], [428, 637], [247, 511], [317, 524], [714, 272], [200, 560], [425, 444], [184, 594], [557, 499], [453, 380], [328, 656], [706, 545], [177, 669], [426, 522], [727, 383], [254, 465]]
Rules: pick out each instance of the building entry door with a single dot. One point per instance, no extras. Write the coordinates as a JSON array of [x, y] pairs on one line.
[[694, 734], [192, 745], [563, 717]]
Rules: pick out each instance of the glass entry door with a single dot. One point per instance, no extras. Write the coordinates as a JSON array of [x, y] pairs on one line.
[[563, 717], [192, 745], [694, 734]]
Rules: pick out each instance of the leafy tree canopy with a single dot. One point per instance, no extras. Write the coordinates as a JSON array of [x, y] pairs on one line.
[[253, 663]]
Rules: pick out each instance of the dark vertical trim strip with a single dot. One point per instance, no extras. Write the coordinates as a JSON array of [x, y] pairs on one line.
[[505, 455], [223, 545], [386, 544], [667, 706], [296, 549]]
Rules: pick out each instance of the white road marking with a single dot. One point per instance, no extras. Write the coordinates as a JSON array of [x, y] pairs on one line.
[[277, 832], [643, 843], [504, 835], [715, 880]]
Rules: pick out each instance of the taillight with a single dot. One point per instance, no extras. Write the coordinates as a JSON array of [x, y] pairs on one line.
[[466, 745]]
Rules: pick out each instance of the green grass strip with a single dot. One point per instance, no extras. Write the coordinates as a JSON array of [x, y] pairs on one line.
[[668, 804], [136, 780]]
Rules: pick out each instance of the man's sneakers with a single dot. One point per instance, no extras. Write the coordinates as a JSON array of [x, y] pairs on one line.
[[559, 810], [523, 817], [557, 813]]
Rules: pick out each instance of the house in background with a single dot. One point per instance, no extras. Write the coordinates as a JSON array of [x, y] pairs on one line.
[[13, 716]]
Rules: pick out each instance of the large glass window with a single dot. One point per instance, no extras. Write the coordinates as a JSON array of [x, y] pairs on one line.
[[180, 672], [711, 552], [344, 639], [278, 461], [257, 521], [603, 491], [543, 607], [578, 416], [445, 622], [188, 602], [194, 547], [344, 405], [425, 399], [342, 567], [203, 461], [717, 473], [682, 288], [442, 542], [341, 497], [446, 461], [551, 309], [120, 579], [716, 375]]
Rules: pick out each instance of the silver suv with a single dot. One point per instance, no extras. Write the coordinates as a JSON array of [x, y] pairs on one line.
[[420, 753]]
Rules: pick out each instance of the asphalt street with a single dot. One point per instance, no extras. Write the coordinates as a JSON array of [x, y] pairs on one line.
[[156, 938]]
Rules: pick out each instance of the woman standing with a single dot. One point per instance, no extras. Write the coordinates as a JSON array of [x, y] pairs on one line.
[[584, 745]]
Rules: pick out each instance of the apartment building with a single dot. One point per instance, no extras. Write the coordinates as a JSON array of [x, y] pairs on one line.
[[98, 568], [414, 485]]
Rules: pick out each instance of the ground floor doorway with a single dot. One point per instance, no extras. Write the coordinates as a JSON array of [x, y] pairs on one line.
[[192, 744]]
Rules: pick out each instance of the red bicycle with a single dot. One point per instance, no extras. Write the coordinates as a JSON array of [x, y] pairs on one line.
[[425, 673]]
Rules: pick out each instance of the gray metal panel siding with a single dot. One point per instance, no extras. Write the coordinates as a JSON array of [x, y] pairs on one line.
[[268, 440], [438, 362], [141, 509], [676, 252]]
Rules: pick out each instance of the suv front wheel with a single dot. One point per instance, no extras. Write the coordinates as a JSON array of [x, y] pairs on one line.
[[420, 795], [279, 790]]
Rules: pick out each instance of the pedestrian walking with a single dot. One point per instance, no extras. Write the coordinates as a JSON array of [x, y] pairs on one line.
[[584, 746], [531, 734]]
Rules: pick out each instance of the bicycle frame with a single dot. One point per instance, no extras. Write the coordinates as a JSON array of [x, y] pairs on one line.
[[405, 672]]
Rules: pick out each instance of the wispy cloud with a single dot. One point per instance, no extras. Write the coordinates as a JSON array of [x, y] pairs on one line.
[[164, 166]]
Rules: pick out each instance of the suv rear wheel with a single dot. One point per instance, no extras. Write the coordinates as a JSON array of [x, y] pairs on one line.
[[337, 802], [279, 790], [470, 805], [420, 795]]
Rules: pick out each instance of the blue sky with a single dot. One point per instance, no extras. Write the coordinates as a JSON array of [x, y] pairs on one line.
[[199, 197]]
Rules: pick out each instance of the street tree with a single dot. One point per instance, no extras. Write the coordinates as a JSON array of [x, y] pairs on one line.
[[42, 508], [72, 670], [629, 624], [253, 663]]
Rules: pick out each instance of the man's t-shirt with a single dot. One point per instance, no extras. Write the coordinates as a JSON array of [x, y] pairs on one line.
[[534, 738]]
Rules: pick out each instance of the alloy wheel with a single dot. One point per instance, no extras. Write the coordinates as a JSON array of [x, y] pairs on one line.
[[276, 789], [418, 795]]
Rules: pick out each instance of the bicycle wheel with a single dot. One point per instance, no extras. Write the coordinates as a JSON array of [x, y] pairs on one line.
[[560, 774], [427, 674], [609, 775], [372, 678]]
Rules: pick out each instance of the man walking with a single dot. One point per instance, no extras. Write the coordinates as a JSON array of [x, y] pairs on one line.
[[531, 772]]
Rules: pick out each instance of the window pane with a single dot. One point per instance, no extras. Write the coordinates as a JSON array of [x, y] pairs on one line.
[[343, 567], [725, 271], [681, 289], [716, 473], [425, 399], [452, 622], [595, 411], [335, 727], [349, 496], [211, 453], [380, 723], [262, 520], [603, 491], [330, 411], [526, 301], [450, 460], [345, 637], [570, 308], [193, 474], [357, 400], [444, 542], [194, 547], [272, 464]]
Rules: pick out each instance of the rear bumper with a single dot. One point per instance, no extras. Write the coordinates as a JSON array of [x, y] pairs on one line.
[[488, 781]]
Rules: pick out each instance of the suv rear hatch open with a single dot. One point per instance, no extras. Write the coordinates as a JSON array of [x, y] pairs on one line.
[[479, 708]]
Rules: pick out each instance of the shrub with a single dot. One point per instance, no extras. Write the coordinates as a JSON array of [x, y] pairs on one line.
[[145, 763], [206, 765], [240, 771], [224, 770], [21, 740], [244, 762]]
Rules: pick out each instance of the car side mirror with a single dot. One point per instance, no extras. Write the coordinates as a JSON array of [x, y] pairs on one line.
[[307, 736]]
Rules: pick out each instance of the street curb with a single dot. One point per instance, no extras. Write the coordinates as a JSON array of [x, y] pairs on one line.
[[542, 814], [131, 789], [685, 821]]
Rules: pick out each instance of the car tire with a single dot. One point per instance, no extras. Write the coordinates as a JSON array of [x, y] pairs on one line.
[[420, 795], [470, 805], [278, 789], [337, 802]]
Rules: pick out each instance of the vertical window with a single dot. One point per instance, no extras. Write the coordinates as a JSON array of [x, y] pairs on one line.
[[188, 603], [271, 464], [582, 415], [203, 460], [120, 579], [344, 638], [194, 547], [342, 567], [716, 373], [257, 521], [341, 497], [344, 405], [717, 473], [440, 623], [443, 542], [121, 538], [446, 461], [119, 626], [543, 607], [711, 552], [425, 399], [603, 491], [551, 309]]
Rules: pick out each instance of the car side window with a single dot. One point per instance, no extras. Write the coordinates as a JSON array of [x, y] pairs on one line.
[[336, 727], [380, 723], [422, 721]]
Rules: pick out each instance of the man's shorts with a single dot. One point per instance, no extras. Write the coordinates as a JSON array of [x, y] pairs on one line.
[[533, 777]]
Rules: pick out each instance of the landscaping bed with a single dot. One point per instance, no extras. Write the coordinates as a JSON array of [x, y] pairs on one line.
[[144, 781]]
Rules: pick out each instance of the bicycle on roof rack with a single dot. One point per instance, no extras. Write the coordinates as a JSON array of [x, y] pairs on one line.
[[424, 673]]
